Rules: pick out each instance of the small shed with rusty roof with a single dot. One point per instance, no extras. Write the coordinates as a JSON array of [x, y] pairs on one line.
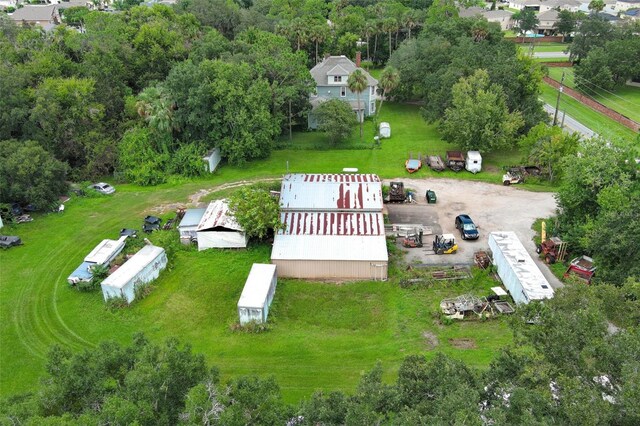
[[219, 229], [333, 228]]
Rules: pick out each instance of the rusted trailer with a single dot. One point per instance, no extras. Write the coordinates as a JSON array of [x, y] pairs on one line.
[[455, 160]]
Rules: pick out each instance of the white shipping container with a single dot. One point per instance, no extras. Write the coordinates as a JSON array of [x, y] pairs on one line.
[[257, 293], [143, 267], [517, 270]]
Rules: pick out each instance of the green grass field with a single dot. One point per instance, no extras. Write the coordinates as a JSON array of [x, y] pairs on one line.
[[585, 115], [543, 47], [323, 335], [625, 100]]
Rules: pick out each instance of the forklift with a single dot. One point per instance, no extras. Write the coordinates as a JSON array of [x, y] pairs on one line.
[[445, 244], [413, 240]]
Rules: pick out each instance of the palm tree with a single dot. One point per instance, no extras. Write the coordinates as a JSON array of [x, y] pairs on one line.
[[357, 83], [318, 34], [156, 108], [389, 80]]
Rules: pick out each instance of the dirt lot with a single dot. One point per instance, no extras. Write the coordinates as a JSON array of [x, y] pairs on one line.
[[492, 208]]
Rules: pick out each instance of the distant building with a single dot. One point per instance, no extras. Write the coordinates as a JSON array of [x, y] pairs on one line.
[[45, 16], [331, 77]]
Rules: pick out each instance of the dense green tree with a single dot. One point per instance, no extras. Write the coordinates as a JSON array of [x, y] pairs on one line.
[[357, 83], [256, 211], [223, 15], [30, 175], [592, 32], [545, 146], [526, 21], [225, 105], [65, 119], [336, 119], [478, 117], [596, 6], [567, 22], [273, 60], [139, 158], [609, 66]]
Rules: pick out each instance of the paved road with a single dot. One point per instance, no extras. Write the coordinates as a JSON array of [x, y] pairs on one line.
[[570, 122], [550, 55]]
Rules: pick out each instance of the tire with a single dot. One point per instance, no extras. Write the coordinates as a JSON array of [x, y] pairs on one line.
[[539, 249], [550, 259], [506, 183]]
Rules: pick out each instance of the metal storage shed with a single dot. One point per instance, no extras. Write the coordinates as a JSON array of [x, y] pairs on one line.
[[189, 224], [143, 267], [219, 229], [257, 294], [517, 270], [212, 159]]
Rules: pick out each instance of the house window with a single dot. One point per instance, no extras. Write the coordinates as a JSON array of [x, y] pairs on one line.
[[372, 107], [343, 91], [373, 90], [337, 79]]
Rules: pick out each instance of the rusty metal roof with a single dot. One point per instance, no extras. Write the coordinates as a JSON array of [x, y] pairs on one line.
[[331, 192], [218, 215], [332, 223]]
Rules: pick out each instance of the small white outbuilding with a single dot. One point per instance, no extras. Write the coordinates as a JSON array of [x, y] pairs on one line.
[[211, 160], [385, 130], [257, 294], [473, 162], [189, 225], [143, 267], [219, 229]]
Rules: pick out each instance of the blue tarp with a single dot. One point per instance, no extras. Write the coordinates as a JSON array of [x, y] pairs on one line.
[[413, 164], [81, 273]]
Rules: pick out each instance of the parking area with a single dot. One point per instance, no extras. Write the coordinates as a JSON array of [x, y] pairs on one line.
[[492, 208]]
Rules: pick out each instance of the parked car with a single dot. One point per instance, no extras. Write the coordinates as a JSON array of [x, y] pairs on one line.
[[103, 188], [468, 229], [7, 241], [128, 232]]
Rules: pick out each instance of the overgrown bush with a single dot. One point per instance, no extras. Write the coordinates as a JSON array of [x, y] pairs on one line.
[[252, 327], [142, 290], [116, 302], [187, 161]]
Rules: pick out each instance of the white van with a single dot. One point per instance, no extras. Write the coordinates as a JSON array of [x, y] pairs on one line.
[[473, 162]]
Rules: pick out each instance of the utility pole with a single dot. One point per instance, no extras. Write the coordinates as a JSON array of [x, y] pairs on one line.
[[555, 114]]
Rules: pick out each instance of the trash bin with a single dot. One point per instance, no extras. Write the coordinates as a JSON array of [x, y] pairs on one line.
[[431, 196]]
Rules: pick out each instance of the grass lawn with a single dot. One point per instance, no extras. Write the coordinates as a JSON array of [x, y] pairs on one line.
[[324, 335], [585, 115], [544, 47], [625, 100]]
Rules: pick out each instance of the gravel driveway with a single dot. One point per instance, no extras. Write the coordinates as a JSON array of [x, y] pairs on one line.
[[492, 208]]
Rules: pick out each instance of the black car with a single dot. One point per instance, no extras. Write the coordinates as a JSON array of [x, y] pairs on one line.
[[128, 232], [468, 229]]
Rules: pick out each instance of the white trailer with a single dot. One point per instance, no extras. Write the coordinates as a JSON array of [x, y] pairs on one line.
[[106, 251], [257, 294], [143, 267], [517, 270], [473, 162]]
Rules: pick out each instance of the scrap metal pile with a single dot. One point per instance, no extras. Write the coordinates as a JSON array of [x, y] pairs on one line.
[[459, 307]]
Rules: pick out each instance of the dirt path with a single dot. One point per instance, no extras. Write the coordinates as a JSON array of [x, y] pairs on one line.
[[194, 199]]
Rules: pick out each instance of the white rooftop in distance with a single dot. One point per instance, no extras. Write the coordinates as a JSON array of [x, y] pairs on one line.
[[257, 286]]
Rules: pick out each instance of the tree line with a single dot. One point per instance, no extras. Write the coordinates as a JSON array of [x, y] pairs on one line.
[[565, 366]]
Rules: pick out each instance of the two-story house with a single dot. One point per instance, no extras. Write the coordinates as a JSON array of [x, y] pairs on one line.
[[331, 83]]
